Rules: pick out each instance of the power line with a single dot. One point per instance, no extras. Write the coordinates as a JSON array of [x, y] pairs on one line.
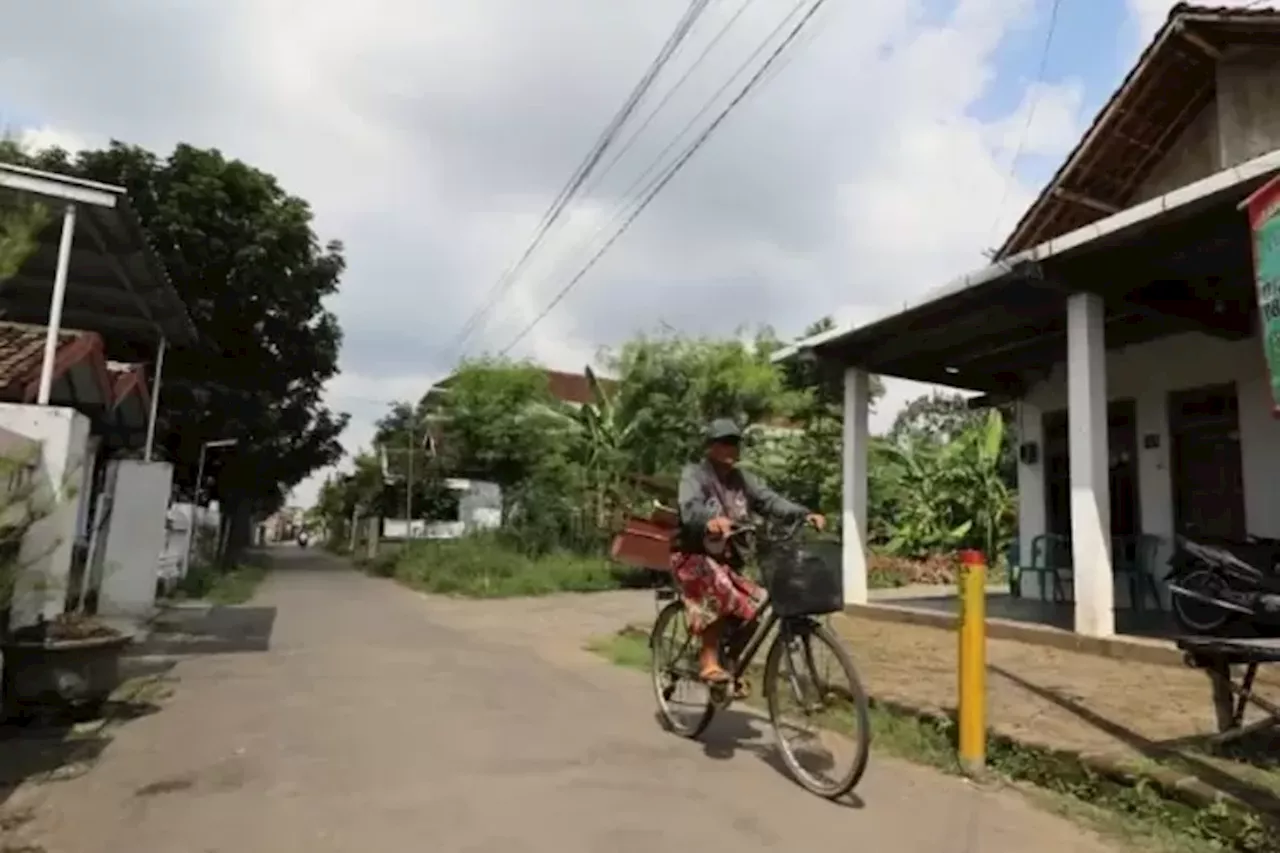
[[638, 183], [684, 78], [584, 170], [1031, 114], [672, 171]]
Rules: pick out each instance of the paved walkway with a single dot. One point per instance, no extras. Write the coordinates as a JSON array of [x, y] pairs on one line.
[[382, 720]]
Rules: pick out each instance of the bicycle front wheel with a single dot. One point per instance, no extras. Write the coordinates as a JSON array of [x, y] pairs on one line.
[[826, 741], [684, 701]]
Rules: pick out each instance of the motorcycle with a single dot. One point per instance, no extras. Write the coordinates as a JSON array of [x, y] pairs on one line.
[[302, 540], [1221, 588]]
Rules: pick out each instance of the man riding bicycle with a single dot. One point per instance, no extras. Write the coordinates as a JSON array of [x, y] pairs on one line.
[[715, 494]]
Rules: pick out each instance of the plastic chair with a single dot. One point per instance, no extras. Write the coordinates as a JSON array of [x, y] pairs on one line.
[[1134, 558]]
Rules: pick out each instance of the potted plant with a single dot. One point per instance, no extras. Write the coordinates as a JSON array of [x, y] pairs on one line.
[[54, 665]]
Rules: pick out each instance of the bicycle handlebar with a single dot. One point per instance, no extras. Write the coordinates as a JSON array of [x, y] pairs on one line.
[[747, 527]]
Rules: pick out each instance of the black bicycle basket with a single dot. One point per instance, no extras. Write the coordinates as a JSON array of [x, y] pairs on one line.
[[803, 578]]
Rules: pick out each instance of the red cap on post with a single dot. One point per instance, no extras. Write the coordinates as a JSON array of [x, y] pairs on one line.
[[972, 558]]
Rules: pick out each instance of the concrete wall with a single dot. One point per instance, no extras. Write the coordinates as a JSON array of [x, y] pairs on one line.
[[46, 554], [1248, 104], [173, 555], [479, 508], [1146, 374], [134, 537], [1242, 122]]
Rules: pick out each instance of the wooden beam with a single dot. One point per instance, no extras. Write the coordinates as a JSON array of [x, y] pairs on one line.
[[1196, 102], [1194, 38]]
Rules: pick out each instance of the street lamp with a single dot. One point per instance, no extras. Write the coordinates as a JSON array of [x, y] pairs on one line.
[[195, 497]]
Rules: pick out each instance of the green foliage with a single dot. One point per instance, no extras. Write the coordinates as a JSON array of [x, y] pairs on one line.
[[486, 566], [232, 586], [932, 496], [21, 222], [824, 381], [939, 417], [670, 387], [939, 483], [242, 253], [498, 420]]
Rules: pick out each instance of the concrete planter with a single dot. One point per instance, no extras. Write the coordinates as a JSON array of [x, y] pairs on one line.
[[52, 675]]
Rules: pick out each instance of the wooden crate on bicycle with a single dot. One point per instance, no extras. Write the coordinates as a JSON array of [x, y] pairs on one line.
[[645, 542]]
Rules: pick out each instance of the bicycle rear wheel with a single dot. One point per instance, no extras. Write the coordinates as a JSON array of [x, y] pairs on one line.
[[833, 713], [674, 662]]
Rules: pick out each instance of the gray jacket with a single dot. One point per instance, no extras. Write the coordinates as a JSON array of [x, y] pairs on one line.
[[703, 495]]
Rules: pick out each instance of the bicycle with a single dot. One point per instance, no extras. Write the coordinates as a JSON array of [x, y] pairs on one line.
[[797, 632]]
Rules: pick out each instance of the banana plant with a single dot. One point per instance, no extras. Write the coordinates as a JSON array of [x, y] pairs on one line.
[[941, 496], [605, 437]]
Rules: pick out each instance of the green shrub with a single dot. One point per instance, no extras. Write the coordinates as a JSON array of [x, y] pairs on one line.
[[484, 566], [235, 586]]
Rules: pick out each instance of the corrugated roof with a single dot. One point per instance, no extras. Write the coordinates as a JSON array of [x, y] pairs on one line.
[[1172, 82]]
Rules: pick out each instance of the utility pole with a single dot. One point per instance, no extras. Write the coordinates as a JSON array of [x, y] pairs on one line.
[[408, 485]]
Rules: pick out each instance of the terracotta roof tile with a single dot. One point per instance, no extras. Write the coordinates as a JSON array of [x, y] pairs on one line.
[[574, 387], [22, 351]]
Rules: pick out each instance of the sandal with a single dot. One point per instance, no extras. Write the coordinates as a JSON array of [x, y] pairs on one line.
[[715, 675]]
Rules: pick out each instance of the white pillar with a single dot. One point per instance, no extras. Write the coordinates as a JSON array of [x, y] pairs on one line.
[[856, 437], [1031, 490], [155, 399], [55, 305], [1090, 487]]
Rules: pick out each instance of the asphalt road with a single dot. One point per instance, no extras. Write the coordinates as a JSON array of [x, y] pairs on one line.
[[343, 713]]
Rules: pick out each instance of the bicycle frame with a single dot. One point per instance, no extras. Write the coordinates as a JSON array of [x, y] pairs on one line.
[[766, 620]]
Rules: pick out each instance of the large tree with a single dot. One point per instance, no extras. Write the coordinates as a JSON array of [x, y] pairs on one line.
[[671, 386], [244, 257], [496, 420]]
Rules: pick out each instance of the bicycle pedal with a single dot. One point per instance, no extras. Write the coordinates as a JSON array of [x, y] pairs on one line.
[[721, 695], [742, 689]]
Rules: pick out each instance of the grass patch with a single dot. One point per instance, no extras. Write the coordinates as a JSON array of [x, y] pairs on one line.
[[1135, 811], [483, 566], [235, 586]]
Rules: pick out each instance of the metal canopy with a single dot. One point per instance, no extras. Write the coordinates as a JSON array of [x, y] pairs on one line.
[[1178, 263], [115, 285]]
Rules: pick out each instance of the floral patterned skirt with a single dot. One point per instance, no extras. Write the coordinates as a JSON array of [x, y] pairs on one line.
[[710, 589]]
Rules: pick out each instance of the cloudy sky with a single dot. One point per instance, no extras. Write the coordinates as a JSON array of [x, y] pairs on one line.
[[431, 135]]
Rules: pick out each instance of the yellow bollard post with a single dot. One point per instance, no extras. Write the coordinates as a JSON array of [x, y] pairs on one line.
[[973, 662]]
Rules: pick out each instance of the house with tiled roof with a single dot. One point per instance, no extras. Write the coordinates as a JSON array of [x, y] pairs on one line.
[[1124, 320], [85, 320]]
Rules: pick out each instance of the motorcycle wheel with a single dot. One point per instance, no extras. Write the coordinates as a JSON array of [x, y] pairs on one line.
[[1200, 617]]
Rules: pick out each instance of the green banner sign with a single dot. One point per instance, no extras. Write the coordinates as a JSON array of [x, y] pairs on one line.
[[1264, 220]]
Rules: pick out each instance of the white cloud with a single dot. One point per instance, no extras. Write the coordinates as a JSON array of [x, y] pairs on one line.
[[1054, 112], [431, 135], [41, 138]]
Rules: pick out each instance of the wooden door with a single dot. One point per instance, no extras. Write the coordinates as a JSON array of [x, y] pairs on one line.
[[1122, 443], [1205, 462]]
